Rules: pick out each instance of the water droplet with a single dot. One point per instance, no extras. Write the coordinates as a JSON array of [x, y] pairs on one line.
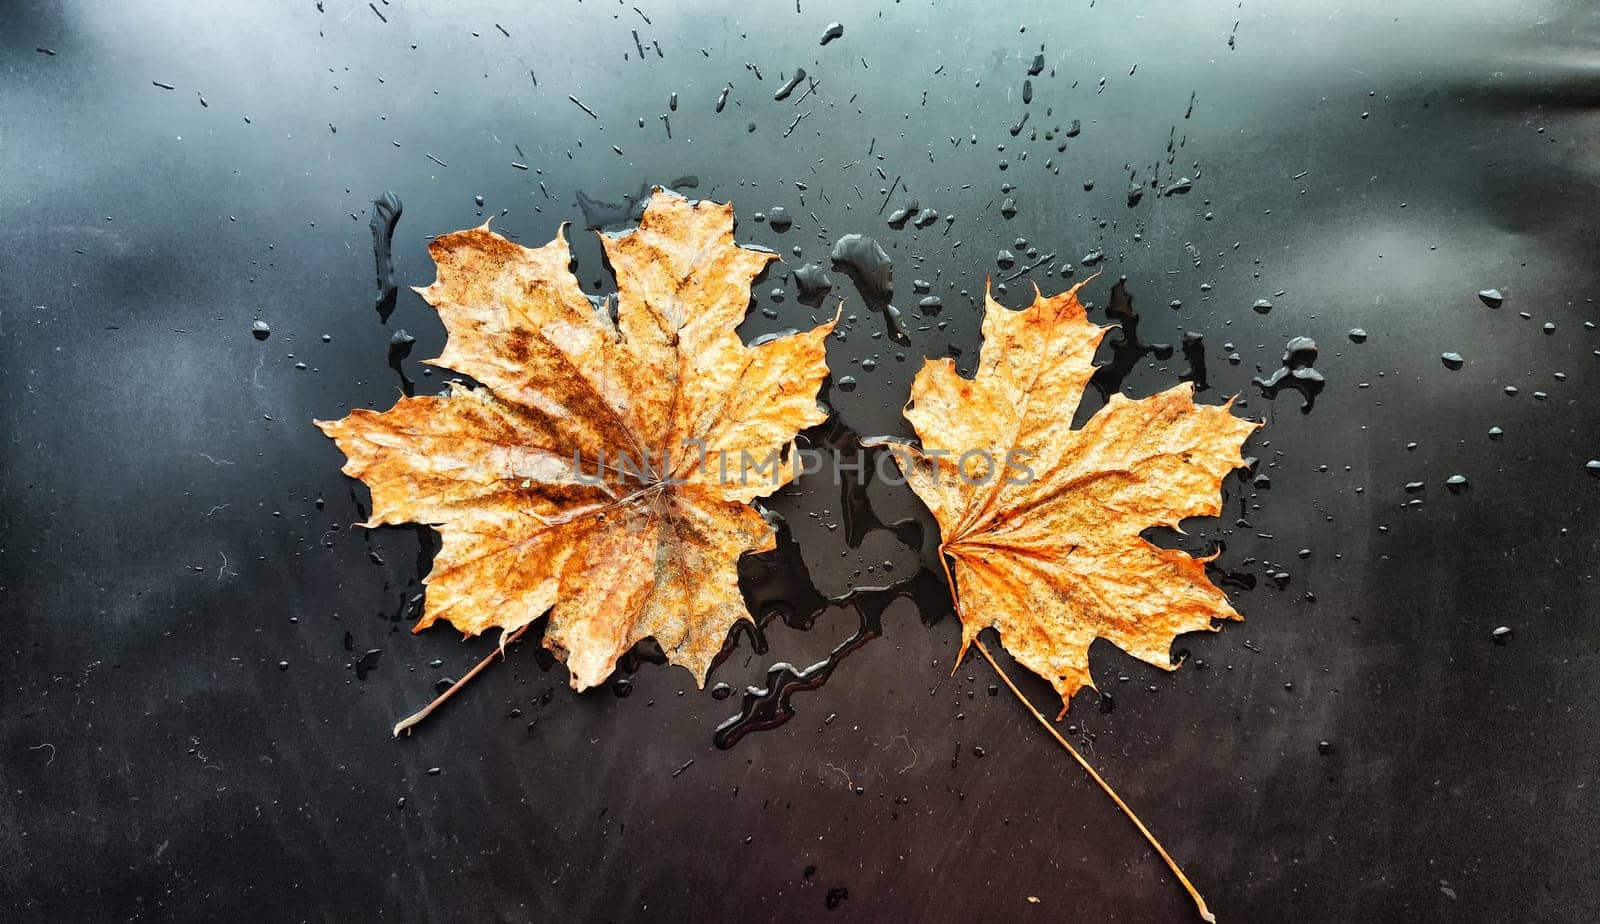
[[1299, 355], [868, 262], [386, 211], [899, 217], [812, 280], [787, 88], [368, 662]]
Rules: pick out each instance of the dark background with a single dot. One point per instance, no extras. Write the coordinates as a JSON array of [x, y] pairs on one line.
[[174, 527]]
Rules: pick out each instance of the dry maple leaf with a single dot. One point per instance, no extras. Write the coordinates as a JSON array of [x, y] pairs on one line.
[[576, 480], [1048, 550]]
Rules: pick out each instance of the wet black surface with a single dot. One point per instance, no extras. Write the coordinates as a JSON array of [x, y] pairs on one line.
[[200, 659]]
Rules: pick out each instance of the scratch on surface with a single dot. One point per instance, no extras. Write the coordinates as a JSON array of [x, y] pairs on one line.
[[40, 747], [216, 508], [223, 568], [847, 780], [914, 755], [212, 460]]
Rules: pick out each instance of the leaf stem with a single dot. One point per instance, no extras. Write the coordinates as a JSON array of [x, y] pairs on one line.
[[1199, 903], [416, 717]]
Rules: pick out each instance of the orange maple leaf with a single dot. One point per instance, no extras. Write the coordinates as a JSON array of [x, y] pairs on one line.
[[1043, 522], [1047, 547], [576, 480]]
